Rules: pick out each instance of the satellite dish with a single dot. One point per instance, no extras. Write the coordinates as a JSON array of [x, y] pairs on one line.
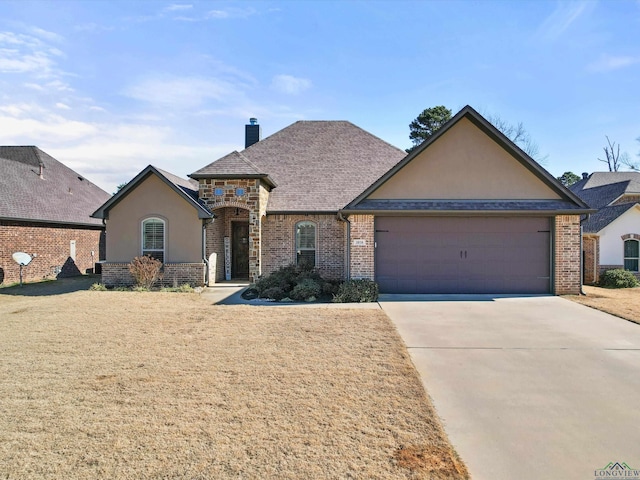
[[21, 258]]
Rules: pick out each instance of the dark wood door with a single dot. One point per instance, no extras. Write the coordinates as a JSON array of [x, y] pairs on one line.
[[463, 255], [240, 250]]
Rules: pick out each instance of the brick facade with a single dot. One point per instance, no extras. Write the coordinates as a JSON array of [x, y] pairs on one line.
[[52, 246], [216, 232], [362, 261], [252, 201], [591, 249], [279, 247], [116, 274], [567, 279]]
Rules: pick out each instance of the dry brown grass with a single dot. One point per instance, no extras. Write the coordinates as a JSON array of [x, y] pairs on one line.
[[622, 302], [161, 385]]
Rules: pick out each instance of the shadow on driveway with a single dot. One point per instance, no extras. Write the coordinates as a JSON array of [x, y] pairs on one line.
[[52, 287], [396, 297]]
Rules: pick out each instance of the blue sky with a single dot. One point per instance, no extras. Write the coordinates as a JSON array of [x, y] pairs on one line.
[[108, 87]]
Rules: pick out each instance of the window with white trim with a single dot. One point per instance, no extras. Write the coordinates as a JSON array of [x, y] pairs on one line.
[[631, 254], [306, 243], [153, 238]]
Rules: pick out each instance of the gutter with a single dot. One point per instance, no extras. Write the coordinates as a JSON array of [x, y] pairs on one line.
[[465, 213], [342, 218]]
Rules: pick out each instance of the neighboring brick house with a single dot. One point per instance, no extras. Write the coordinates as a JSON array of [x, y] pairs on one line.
[[466, 212], [611, 235], [45, 210]]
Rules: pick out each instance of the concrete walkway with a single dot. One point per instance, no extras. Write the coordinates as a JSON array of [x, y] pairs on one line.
[[528, 388]]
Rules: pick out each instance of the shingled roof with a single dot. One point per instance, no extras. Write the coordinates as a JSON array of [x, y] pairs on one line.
[[316, 165], [600, 189], [60, 195], [187, 189]]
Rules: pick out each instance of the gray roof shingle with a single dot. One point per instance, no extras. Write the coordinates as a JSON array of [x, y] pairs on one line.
[[600, 189], [604, 217], [317, 165], [61, 196]]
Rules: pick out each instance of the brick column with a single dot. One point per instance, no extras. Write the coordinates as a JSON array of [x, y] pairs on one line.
[[591, 247], [362, 261], [567, 255]]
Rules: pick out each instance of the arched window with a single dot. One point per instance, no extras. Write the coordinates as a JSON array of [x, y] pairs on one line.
[[153, 238], [306, 243], [631, 254]]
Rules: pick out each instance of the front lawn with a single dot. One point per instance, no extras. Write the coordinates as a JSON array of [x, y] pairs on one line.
[[163, 385], [622, 302]]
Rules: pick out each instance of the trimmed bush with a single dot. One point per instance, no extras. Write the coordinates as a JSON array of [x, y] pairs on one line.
[[305, 290], [357, 291], [273, 293], [281, 283], [330, 287], [618, 278]]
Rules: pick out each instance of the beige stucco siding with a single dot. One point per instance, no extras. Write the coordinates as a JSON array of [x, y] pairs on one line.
[[154, 198], [464, 164]]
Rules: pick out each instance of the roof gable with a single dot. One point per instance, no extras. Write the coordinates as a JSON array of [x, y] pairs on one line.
[[461, 162], [233, 165], [317, 165], [187, 189], [464, 164], [603, 188], [60, 195], [609, 215]]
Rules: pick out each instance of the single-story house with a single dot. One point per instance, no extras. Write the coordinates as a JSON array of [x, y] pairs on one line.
[[45, 210], [466, 212], [611, 235]]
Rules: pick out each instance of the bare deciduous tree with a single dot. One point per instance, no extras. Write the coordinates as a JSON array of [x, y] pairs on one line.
[[518, 135], [614, 159]]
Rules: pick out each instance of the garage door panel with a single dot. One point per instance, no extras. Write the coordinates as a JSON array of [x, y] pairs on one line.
[[463, 255]]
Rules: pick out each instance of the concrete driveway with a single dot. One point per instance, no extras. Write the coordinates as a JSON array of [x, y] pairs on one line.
[[529, 387]]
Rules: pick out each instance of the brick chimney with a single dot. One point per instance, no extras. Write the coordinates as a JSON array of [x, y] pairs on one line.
[[252, 133]]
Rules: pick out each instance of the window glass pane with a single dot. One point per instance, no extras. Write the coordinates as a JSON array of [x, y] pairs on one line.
[[631, 248], [631, 264], [306, 257], [306, 236], [157, 254], [306, 244], [153, 235]]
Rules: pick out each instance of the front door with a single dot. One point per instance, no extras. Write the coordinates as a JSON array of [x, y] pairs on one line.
[[240, 250]]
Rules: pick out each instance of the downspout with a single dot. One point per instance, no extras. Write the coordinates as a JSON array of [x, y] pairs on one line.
[[581, 261], [586, 218], [348, 252], [596, 254]]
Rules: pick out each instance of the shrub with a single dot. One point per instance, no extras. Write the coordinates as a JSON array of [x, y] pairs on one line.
[[273, 293], [184, 288], [286, 278], [330, 287], [618, 278], [145, 271], [306, 289], [357, 291], [98, 287], [250, 293]]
